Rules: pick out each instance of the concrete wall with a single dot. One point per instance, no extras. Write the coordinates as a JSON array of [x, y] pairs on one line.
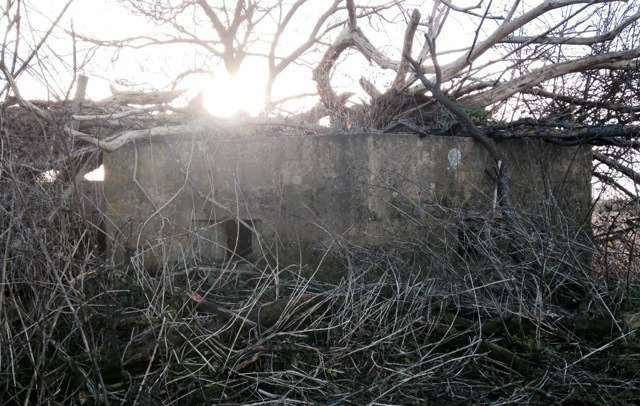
[[178, 198]]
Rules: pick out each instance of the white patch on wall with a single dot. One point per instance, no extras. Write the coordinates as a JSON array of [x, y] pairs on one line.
[[96, 175], [455, 158]]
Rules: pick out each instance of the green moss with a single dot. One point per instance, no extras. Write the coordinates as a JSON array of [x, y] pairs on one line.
[[479, 116]]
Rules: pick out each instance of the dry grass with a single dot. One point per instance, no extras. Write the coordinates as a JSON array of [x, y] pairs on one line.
[[515, 316]]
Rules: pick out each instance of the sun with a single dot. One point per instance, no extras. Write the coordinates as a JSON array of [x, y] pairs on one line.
[[226, 95]]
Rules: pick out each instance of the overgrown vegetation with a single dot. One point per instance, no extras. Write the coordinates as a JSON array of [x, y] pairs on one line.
[[533, 311], [515, 315]]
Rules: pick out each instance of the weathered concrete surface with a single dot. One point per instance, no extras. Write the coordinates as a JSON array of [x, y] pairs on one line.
[[177, 198]]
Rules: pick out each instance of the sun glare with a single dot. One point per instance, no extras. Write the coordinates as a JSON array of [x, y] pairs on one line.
[[227, 95]]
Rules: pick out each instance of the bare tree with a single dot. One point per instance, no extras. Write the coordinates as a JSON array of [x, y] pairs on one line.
[[518, 47], [233, 32], [569, 65]]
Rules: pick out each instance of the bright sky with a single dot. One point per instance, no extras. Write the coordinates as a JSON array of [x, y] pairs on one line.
[[155, 67]]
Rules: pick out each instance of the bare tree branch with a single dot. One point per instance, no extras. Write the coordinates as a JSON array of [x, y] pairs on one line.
[[596, 39], [627, 108], [409, 34], [141, 97], [116, 141], [615, 184], [25, 103], [276, 69], [614, 164], [503, 31], [40, 44], [351, 8], [504, 90], [232, 57], [369, 88]]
